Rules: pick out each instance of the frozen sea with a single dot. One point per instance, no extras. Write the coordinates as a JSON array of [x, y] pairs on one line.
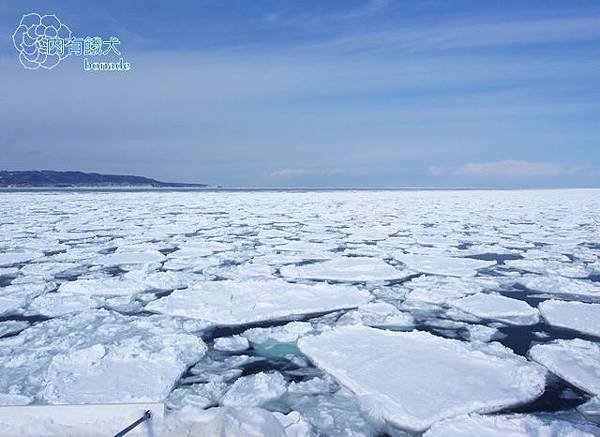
[[306, 313]]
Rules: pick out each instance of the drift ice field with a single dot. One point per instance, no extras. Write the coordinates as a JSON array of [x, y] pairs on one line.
[[303, 313]]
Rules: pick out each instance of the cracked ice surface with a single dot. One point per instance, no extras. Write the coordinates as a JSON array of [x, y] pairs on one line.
[[83, 273], [385, 370], [238, 303], [97, 357]]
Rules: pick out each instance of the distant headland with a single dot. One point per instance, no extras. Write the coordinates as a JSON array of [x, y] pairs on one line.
[[50, 178]]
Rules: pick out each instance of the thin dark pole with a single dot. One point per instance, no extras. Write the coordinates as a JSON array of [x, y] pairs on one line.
[[147, 416]]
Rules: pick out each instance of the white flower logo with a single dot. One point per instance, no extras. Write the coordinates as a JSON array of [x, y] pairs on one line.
[[32, 37]]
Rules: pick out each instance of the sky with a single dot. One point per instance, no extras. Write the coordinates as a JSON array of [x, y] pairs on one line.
[[276, 93]]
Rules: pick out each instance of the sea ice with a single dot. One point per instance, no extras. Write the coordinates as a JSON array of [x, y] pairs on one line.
[[582, 317], [555, 284], [130, 258], [346, 269], [57, 304], [98, 357], [577, 361], [591, 408], [334, 414], [497, 307], [415, 379], [235, 343], [443, 265], [255, 390], [16, 296], [510, 425], [440, 289], [378, 314], [482, 333], [237, 303], [197, 395], [288, 333], [12, 258], [11, 327], [103, 287], [547, 267]]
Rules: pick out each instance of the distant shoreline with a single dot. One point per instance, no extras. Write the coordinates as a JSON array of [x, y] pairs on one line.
[[208, 188]]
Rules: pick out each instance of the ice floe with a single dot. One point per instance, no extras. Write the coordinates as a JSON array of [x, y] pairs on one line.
[[11, 327], [97, 357], [582, 317], [346, 269], [555, 284], [510, 425], [108, 286], [235, 343], [11, 258], [443, 265], [288, 333], [577, 361], [130, 258], [57, 304], [378, 314], [237, 303], [255, 390], [439, 289], [294, 424], [497, 307], [413, 379]]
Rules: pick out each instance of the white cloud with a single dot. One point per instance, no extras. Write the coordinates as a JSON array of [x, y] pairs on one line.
[[511, 168], [507, 168], [300, 172]]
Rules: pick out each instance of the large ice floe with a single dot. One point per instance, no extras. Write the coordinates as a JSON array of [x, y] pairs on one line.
[[443, 265], [346, 269], [577, 361], [413, 379], [315, 313], [509, 426], [97, 357], [582, 317], [496, 307], [238, 303]]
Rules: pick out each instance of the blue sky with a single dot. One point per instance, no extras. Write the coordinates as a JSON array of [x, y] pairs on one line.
[[316, 93]]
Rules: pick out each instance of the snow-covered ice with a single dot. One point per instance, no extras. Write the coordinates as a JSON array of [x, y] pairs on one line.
[[497, 307], [443, 265], [103, 287], [577, 361], [106, 298], [378, 314], [413, 379], [255, 390], [582, 317], [235, 343], [554, 284], [346, 269], [238, 303], [97, 357], [510, 425]]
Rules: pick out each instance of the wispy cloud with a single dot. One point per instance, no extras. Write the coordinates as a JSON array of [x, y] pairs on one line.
[[473, 34], [506, 168], [301, 172]]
